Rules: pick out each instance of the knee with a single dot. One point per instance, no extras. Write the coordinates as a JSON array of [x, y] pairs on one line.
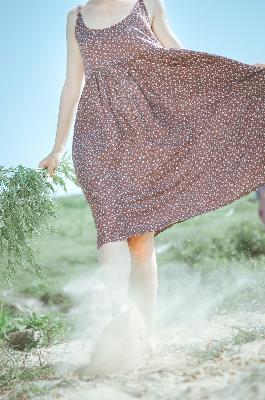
[[112, 252], [141, 247]]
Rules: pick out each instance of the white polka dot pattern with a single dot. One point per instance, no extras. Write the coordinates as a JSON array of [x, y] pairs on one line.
[[162, 134]]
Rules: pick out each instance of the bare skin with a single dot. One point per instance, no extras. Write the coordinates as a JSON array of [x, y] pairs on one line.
[[99, 14]]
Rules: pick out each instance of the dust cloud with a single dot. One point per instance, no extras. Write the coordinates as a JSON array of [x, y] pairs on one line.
[[210, 337]]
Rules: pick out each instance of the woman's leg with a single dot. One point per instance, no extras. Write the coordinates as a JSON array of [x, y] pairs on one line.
[[143, 278], [123, 341], [114, 260]]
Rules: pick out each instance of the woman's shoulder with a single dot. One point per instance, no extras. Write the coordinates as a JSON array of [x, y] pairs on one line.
[[154, 6], [72, 13]]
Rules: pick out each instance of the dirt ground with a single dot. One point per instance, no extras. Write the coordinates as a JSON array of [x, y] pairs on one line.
[[191, 361], [197, 354]]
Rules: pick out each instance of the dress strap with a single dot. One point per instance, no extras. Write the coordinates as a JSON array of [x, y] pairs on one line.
[[142, 3]]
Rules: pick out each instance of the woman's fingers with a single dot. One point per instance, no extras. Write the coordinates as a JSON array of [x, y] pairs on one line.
[[51, 169], [51, 163], [42, 164]]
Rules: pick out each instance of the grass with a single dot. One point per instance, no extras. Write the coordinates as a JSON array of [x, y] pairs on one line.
[[29, 391], [18, 375], [213, 350], [51, 327], [246, 335], [16, 365], [240, 336], [232, 232]]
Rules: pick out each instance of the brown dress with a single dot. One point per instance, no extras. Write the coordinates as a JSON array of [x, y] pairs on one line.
[[162, 134]]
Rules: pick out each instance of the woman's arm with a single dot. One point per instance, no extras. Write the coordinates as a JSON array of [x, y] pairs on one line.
[[160, 24], [69, 96]]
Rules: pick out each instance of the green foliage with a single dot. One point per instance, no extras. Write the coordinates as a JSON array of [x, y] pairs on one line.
[[245, 239], [248, 239], [27, 389], [216, 348], [16, 366], [26, 206], [72, 203], [14, 375], [59, 299], [246, 335], [50, 327]]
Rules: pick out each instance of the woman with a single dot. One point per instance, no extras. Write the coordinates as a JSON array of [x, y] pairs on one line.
[[260, 192], [161, 134]]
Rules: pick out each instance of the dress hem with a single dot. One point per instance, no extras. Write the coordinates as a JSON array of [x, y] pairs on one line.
[[168, 224]]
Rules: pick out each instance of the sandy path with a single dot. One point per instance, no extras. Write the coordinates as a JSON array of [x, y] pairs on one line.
[[197, 354], [191, 361]]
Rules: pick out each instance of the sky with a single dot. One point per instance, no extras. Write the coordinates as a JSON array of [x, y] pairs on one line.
[[33, 59]]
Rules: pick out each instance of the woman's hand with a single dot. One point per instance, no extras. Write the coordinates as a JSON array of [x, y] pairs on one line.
[[51, 162], [260, 65]]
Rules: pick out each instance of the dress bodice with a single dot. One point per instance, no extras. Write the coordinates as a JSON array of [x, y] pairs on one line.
[[117, 44]]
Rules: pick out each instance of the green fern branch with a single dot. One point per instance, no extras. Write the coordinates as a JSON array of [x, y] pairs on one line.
[[26, 207]]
